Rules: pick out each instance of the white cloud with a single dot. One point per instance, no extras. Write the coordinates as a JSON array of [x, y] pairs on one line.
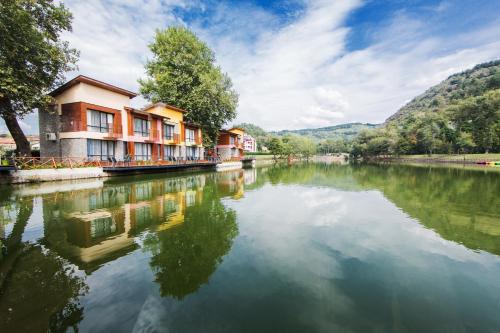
[[284, 77], [291, 73]]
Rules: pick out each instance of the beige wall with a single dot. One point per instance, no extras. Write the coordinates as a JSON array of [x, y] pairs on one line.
[[83, 92]]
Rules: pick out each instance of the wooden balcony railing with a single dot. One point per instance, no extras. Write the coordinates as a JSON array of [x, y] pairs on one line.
[[113, 131], [175, 138]]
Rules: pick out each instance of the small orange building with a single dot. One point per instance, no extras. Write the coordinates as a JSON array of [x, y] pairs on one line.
[[230, 144]]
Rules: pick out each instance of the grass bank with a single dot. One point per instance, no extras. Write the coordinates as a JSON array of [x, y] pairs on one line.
[[444, 158]]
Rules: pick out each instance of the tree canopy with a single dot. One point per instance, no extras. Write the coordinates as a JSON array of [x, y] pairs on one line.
[[33, 58], [183, 73]]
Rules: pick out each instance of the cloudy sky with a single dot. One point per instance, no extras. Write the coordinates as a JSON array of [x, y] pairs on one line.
[[297, 63]]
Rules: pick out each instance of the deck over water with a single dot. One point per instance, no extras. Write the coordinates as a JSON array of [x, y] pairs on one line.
[[158, 168]]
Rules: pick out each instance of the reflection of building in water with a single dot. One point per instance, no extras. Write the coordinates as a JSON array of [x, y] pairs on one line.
[[250, 176], [231, 183], [97, 226]]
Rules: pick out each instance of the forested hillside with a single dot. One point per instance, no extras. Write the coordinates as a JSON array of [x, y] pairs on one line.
[[337, 132], [470, 83], [460, 114]]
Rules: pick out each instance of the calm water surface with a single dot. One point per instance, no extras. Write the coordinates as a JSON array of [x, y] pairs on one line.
[[311, 248]]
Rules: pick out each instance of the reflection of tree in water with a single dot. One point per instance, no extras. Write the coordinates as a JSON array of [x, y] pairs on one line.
[[185, 256], [460, 205], [39, 291]]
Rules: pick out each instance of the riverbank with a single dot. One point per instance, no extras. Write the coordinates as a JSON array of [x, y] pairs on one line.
[[443, 158]]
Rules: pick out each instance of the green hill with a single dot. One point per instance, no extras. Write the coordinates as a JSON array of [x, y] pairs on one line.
[[457, 87], [343, 131], [459, 115]]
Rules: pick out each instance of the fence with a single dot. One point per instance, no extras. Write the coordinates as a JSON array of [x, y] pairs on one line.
[[30, 163]]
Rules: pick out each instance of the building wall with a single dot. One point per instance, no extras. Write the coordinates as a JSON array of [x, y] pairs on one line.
[[74, 148], [83, 92], [48, 122], [227, 152]]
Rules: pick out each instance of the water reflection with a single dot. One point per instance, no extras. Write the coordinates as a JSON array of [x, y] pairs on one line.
[[460, 205], [180, 221], [40, 290], [325, 247]]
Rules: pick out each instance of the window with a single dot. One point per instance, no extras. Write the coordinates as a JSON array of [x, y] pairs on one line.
[[189, 135], [102, 227], [141, 127], [99, 121], [142, 151], [100, 149], [231, 140], [168, 151], [168, 131], [190, 151]]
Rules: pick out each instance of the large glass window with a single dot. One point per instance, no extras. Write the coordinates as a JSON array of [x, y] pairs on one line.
[[191, 151], [168, 151], [98, 121], [189, 135], [141, 127], [231, 140], [142, 151], [100, 149], [168, 131]]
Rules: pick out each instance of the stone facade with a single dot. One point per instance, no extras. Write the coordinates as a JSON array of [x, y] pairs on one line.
[[48, 122]]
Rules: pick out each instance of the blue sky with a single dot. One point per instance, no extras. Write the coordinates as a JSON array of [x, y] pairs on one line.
[[297, 63]]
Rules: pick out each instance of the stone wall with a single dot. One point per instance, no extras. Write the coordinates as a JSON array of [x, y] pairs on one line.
[[226, 166], [74, 148], [45, 175], [226, 153], [48, 122]]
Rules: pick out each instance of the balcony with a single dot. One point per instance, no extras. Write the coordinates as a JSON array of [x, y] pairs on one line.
[[109, 131], [190, 142], [114, 132], [175, 139]]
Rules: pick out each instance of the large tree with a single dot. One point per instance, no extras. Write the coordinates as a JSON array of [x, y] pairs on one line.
[[183, 73], [33, 59]]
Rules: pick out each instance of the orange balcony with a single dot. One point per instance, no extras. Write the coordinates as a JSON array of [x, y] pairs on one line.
[[174, 139], [112, 131]]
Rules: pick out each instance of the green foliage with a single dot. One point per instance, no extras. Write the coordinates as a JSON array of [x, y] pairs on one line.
[[470, 83], [183, 73], [334, 146], [325, 137], [459, 115], [253, 130], [33, 59], [338, 132], [480, 118], [292, 146]]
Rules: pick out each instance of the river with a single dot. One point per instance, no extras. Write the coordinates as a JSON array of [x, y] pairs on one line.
[[306, 248]]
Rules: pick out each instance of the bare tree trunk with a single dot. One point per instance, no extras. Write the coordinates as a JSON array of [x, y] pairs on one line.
[[23, 147]]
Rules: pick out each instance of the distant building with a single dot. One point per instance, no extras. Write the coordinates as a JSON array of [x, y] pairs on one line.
[[93, 120], [249, 143], [230, 144], [8, 143]]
